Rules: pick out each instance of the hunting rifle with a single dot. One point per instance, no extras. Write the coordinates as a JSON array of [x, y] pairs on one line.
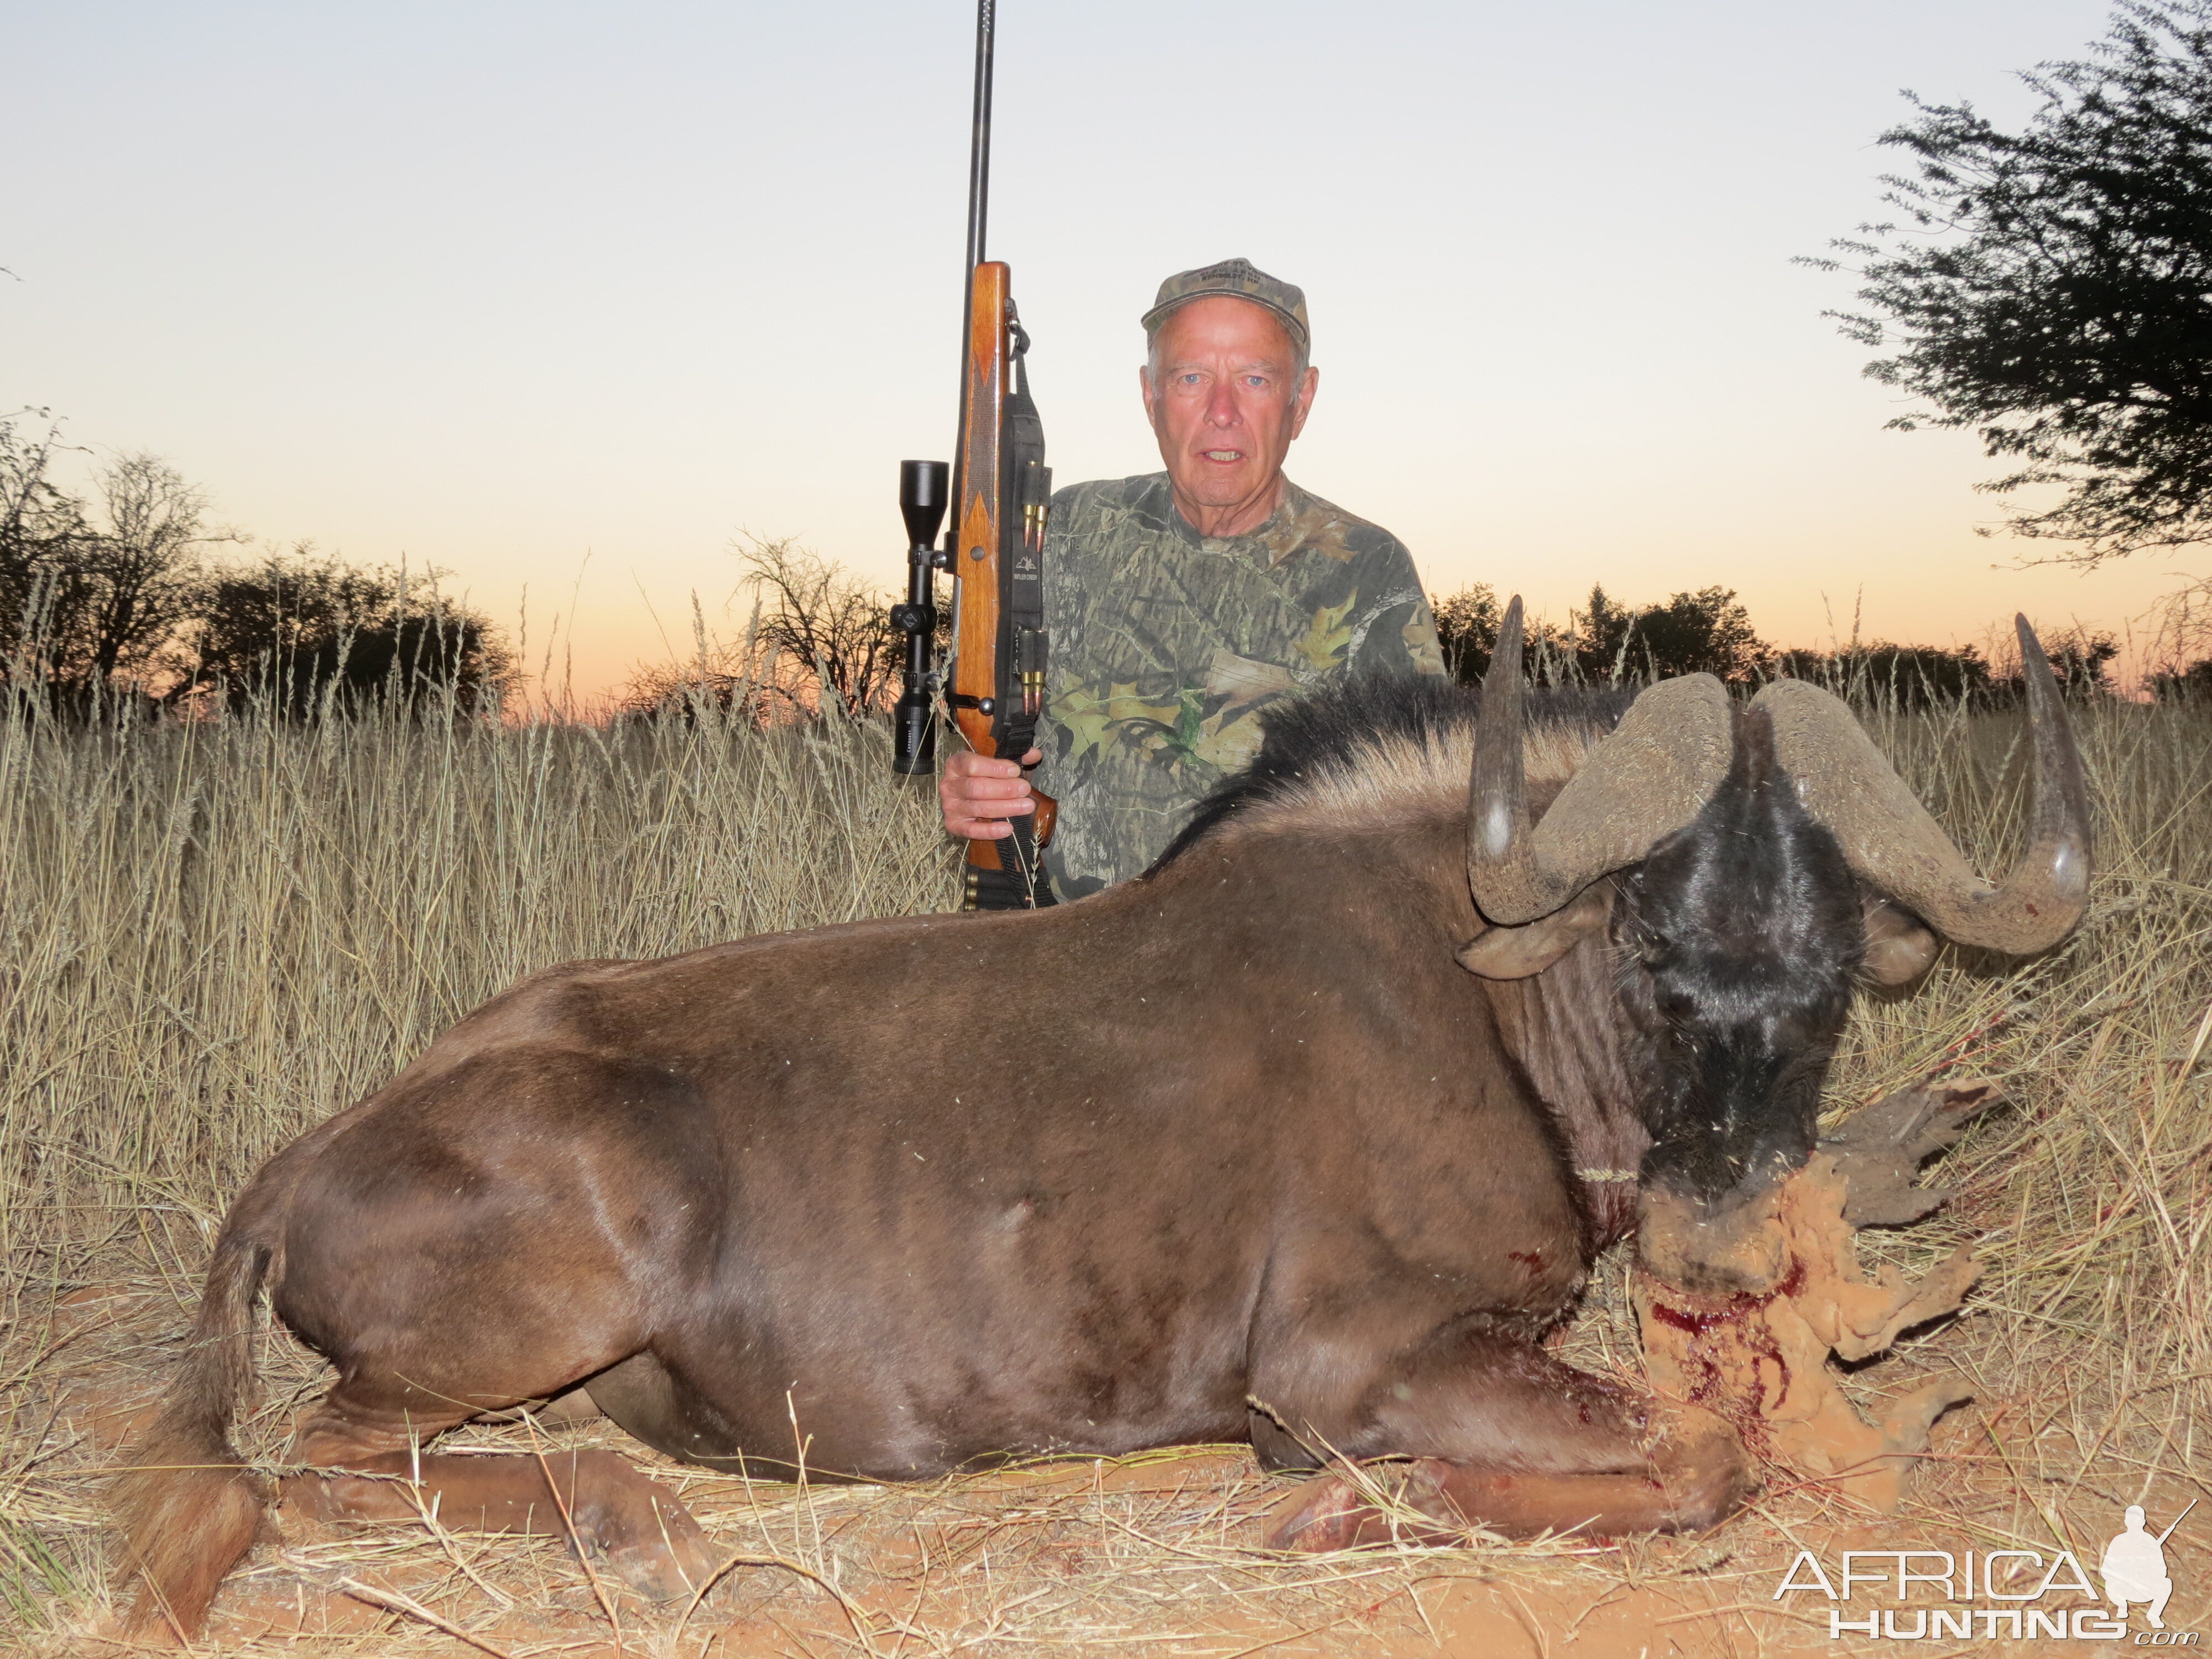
[[1000, 491]]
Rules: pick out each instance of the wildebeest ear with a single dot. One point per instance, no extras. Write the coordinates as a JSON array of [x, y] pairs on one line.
[[1899, 946], [1517, 952]]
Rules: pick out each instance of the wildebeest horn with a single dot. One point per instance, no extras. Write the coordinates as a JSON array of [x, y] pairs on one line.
[[1650, 776], [1893, 844]]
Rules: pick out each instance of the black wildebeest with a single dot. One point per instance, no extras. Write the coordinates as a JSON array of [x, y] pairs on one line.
[[1286, 1141]]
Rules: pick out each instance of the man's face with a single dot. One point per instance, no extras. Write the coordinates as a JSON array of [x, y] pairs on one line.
[[1226, 409]]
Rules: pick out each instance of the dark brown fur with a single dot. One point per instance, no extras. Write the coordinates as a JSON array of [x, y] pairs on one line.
[[957, 1187]]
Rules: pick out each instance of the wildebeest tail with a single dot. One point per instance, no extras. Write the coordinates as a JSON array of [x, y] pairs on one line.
[[188, 1507]]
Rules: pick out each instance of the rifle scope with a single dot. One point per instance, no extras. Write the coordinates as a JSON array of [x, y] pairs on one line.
[[924, 491]]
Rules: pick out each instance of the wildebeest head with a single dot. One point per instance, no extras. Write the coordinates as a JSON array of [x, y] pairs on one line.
[[1745, 932], [1762, 858]]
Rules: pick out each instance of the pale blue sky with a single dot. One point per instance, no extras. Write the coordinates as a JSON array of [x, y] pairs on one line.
[[499, 286]]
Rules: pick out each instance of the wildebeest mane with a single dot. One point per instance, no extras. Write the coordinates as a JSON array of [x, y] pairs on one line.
[[1365, 719]]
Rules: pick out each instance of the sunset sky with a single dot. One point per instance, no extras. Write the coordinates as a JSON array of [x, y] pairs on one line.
[[564, 296]]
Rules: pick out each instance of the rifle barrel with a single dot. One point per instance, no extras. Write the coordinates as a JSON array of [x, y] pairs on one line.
[[2178, 1520], [979, 207], [979, 147]]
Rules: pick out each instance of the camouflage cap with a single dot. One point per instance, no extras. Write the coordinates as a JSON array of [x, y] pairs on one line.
[[1243, 280]]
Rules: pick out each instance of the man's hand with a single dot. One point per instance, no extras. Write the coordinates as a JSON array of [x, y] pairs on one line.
[[979, 794]]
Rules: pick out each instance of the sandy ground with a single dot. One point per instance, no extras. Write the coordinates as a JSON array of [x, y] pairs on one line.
[[1158, 1555]]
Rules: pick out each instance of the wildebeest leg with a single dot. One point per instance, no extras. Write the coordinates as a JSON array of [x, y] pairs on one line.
[[598, 1500], [576, 1406], [573, 1406], [1505, 1435]]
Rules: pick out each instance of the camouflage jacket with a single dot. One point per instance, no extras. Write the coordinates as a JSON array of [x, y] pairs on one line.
[[1165, 646]]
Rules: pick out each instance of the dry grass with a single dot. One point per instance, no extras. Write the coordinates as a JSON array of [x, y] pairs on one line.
[[211, 937]]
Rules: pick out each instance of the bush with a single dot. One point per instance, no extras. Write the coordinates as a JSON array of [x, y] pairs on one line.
[[298, 633], [2177, 685], [1705, 632], [1895, 676]]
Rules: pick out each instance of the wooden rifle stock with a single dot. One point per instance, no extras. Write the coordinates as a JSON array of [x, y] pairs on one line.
[[997, 560]]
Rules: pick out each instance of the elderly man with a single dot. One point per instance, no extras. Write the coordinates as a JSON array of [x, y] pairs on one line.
[[1180, 604]]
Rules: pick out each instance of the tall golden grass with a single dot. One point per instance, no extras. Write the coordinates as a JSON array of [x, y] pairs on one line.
[[216, 933], [213, 934]]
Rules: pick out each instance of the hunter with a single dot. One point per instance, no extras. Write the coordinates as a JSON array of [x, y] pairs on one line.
[[1180, 604]]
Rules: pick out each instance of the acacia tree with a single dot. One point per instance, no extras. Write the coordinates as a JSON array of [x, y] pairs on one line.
[[819, 642], [89, 599], [39, 524], [2052, 289], [828, 630], [139, 578]]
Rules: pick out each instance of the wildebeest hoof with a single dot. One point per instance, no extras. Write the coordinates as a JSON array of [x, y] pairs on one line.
[[646, 1536], [1703, 1467], [1321, 1514], [1336, 1512], [665, 1571]]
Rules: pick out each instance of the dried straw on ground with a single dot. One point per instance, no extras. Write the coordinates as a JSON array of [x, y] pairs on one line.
[[211, 936]]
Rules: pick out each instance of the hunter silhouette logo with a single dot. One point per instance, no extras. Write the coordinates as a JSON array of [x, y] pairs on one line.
[[2133, 1567]]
